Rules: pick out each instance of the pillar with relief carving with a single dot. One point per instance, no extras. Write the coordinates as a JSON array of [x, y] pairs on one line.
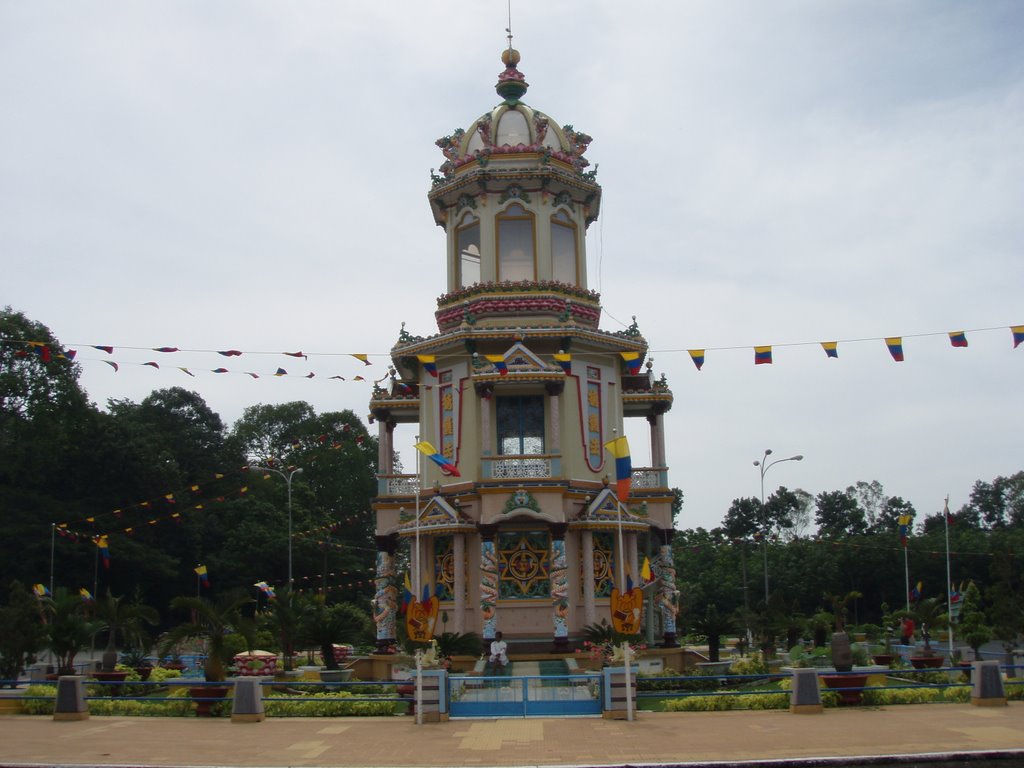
[[587, 549], [459, 581], [559, 581], [488, 581], [385, 599], [667, 593]]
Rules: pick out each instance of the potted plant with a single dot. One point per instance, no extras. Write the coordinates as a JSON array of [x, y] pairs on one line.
[[847, 685], [325, 626], [136, 659], [928, 613], [889, 622], [211, 622]]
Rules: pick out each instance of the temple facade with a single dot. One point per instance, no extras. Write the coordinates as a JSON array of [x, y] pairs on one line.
[[518, 523]]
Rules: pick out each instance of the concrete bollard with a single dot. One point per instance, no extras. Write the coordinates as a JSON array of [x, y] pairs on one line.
[[615, 698], [70, 703], [987, 684], [434, 696], [248, 701], [805, 696]]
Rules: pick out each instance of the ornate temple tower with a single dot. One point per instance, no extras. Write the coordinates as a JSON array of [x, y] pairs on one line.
[[519, 391]]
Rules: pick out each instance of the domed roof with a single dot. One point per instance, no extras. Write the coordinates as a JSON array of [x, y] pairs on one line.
[[513, 127]]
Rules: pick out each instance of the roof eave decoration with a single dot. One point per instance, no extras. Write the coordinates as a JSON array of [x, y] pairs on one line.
[[437, 516], [605, 511]]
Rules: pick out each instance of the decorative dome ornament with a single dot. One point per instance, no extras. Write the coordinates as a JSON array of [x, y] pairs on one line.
[[511, 83]]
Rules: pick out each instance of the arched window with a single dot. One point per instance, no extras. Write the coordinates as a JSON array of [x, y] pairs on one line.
[[515, 244], [520, 420], [563, 249], [467, 243]]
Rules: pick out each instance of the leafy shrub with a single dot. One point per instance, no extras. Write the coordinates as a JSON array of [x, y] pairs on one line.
[[325, 704], [160, 674], [40, 706], [751, 665]]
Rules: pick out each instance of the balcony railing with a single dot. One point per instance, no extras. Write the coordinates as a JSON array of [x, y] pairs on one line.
[[519, 467], [397, 485], [648, 477]]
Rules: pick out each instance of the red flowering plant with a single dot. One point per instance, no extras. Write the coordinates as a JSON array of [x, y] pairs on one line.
[[606, 645]]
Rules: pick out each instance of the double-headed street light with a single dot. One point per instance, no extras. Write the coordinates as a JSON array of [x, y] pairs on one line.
[[764, 465], [287, 474]]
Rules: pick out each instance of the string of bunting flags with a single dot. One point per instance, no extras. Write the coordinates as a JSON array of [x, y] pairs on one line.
[[196, 489], [763, 354], [835, 544], [894, 344]]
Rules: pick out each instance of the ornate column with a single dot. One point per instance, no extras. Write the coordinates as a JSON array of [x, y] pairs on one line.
[[587, 549], [554, 390], [667, 593], [488, 581], [459, 580], [559, 580], [385, 599], [486, 392], [383, 452], [657, 421]]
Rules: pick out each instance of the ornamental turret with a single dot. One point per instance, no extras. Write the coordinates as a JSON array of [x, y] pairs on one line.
[[514, 194], [510, 518]]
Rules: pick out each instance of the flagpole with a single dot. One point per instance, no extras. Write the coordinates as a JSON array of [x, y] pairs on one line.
[[906, 576], [53, 542], [949, 581], [419, 481]]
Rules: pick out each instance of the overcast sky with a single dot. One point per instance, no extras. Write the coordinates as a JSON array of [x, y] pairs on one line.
[[253, 176]]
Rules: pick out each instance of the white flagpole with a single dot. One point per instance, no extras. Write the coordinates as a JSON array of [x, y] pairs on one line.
[[906, 576], [949, 582], [419, 481], [53, 544]]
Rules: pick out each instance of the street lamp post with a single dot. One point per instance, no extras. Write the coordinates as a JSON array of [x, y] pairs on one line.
[[764, 465], [287, 475]]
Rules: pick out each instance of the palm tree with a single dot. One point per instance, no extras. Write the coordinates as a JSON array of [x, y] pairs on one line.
[[125, 619], [284, 617], [324, 625], [69, 629], [713, 626], [212, 622]]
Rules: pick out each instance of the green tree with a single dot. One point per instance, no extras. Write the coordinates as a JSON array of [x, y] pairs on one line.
[[22, 632], [839, 516], [973, 627]]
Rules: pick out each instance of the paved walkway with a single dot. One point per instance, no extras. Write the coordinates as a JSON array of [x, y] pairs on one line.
[[654, 738]]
